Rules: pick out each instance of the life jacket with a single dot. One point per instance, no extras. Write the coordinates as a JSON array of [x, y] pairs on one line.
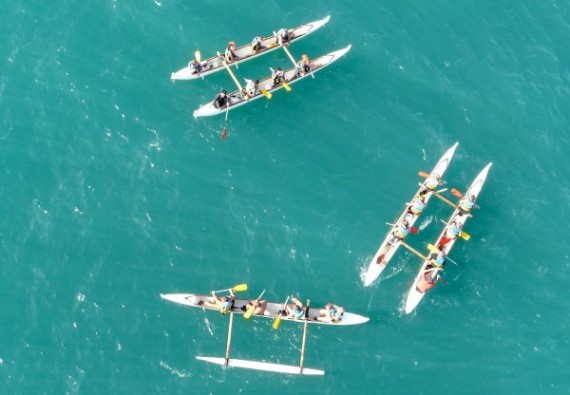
[[440, 260], [418, 207], [220, 101], [335, 314], [467, 205], [431, 183], [402, 232], [277, 78], [453, 231], [256, 44], [227, 306], [195, 66]]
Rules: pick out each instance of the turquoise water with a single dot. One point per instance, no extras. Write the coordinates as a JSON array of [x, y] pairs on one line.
[[112, 194]]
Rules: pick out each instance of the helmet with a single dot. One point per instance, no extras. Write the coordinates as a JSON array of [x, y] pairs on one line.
[[405, 223]]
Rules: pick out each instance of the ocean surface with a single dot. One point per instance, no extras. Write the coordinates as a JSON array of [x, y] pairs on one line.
[[112, 193]]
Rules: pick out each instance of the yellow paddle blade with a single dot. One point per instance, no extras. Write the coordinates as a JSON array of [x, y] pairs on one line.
[[249, 312], [198, 56], [266, 94], [286, 86], [433, 248], [277, 322], [423, 174], [465, 235], [240, 288]]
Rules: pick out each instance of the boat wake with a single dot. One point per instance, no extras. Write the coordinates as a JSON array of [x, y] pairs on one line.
[[181, 374]]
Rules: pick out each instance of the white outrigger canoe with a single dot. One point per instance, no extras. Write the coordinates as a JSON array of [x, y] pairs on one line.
[[415, 295], [387, 250], [238, 98], [272, 310], [245, 53]]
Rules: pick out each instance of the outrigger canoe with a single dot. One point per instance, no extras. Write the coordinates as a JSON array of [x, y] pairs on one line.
[[272, 311], [239, 98], [415, 295], [245, 53], [389, 247]]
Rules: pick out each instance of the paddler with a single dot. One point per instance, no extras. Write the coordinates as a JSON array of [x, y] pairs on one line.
[[331, 313], [282, 37], [297, 311], [438, 258], [417, 206], [400, 231], [278, 76], [303, 66], [195, 66], [429, 279], [221, 99], [225, 303], [256, 45], [230, 54], [260, 306], [452, 231], [251, 87], [432, 182], [467, 204]]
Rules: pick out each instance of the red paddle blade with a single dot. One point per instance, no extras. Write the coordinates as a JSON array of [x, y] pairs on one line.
[[224, 133], [414, 231], [456, 193]]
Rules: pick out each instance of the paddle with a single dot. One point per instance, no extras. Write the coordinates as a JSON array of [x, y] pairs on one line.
[[456, 193], [412, 230], [266, 94], [237, 288], [464, 235], [423, 174], [433, 248], [197, 56], [251, 308], [304, 336], [277, 321]]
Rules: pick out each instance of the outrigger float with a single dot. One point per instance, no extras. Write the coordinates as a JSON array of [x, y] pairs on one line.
[[274, 311], [265, 86], [245, 52], [428, 275], [391, 243]]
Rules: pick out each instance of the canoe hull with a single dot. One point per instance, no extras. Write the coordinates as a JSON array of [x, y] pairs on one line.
[[238, 99], [245, 53], [415, 296], [271, 312], [386, 251]]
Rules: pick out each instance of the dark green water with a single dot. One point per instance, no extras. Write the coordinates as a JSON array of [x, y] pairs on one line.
[[112, 193]]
